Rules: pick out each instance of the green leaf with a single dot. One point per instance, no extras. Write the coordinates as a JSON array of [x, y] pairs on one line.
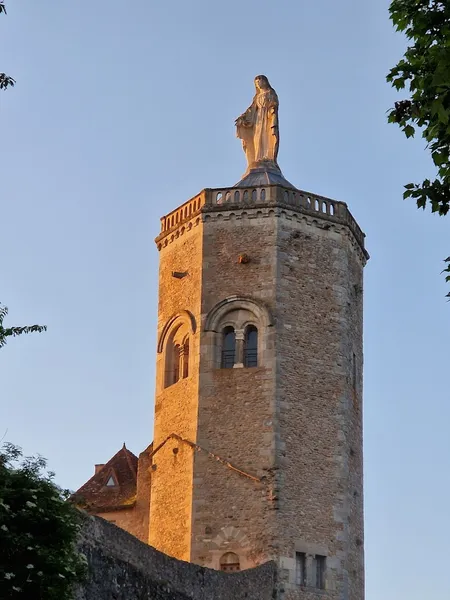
[[443, 114], [399, 83], [409, 131], [392, 118], [421, 203], [439, 158], [435, 106]]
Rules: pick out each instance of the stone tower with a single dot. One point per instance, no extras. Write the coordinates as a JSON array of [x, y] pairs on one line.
[[258, 415]]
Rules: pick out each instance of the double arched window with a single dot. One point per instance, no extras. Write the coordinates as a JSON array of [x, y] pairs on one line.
[[239, 348], [239, 333]]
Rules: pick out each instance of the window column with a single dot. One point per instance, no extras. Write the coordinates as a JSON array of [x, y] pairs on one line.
[[184, 359], [176, 359], [239, 360]]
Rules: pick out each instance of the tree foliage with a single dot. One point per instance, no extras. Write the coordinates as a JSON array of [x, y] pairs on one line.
[[38, 530], [5, 80], [6, 332], [425, 72]]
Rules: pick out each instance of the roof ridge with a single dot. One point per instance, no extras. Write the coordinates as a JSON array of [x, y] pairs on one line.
[[131, 466]]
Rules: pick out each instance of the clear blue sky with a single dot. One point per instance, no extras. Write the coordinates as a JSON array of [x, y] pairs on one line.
[[121, 112]]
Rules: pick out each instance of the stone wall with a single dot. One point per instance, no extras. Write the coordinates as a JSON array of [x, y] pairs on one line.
[[319, 405], [176, 406], [123, 568], [125, 518], [143, 495], [232, 512]]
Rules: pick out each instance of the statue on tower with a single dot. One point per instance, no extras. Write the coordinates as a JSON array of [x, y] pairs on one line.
[[257, 127], [258, 130]]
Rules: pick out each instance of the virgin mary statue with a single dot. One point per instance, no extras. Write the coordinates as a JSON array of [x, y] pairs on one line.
[[258, 126]]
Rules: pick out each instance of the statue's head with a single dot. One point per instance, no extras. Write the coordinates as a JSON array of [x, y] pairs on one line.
[[262, 83]]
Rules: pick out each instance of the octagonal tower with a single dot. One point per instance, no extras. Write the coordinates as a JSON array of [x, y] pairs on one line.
[[258, 450]]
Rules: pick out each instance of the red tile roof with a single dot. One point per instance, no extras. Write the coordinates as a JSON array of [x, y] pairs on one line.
[[96, 496]]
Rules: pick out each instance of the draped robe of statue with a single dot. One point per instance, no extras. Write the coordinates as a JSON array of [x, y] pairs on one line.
[[258, 126]]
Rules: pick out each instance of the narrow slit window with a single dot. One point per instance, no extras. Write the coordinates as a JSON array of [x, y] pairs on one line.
[[228, 348], [251, 347], [319, 563], [300, 568]]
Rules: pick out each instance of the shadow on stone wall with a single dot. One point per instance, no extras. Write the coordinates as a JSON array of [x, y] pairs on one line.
[[123, 568]]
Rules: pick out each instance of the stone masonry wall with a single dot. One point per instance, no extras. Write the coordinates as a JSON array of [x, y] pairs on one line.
[[126, 518], [176, 405], [319, 405], [142, 506], [299, 429], [123, 568], [231, 512], [354, 449]]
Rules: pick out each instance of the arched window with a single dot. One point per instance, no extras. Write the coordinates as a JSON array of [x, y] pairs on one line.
[[174, 348], [239, 329], [228, 348], [177, 356], [251, 346], [230, 562]]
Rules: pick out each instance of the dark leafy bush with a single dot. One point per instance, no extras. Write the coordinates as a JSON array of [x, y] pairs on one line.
[[38, 531]]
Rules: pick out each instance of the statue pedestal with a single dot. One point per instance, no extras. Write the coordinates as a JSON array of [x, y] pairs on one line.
[[264, 173]]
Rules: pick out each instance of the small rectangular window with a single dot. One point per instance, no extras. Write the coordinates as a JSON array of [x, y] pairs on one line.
[[319, 565], [300, 568]]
